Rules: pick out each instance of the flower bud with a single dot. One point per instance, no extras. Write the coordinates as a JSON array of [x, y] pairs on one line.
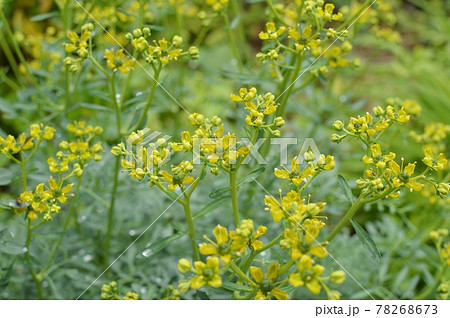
[[77, 171], [309, 156], [360, 183], [443, 189], [184, 286], [146, 32], [64, 145], [276, 133], [177, 40], [184, 265], [434, 235], [378, 111], [137, 33], [194, 52], [216, 120], [279, 122], [215, 171], [334, 295], [336, 138], [338, 277], [338, 125], [129, 37]]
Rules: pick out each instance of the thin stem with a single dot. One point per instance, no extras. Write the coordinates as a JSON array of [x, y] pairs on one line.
[[64, 229], [149, 99], [232, 40], [350, 213], [191, 228], [233, 192], [36, 278], [276, 14], [201, 35], [287, 93], [111, 211], [241, 274], [116, 106], [286, 267], [237, 9]]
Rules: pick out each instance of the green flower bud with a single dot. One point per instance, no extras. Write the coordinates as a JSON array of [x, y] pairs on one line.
[[184, 265], [279, 122], [443, 189], [309, 156], [137, 33], [338, 277], [177, 40], [64, 145], [336, 138], [194, 52], [338, 125], [146, 32], [129, 37], [378, 111]]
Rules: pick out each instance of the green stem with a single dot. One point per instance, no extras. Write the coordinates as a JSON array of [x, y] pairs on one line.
[[287, 92], [64, 229], [36, 278], [350, 213], [428, 290], [191, 228], [237, 9], [149, 99], [111, 211], [241, 274], [286, 267], [201, 35], [116, 106], [232, 40], [10, 58], [233, 192], [68, 77], [276, 14]]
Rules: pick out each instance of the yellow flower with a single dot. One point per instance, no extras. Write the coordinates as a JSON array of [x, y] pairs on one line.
[[295, 175], [307, 275], [402, 176], [118, 61], [220, 248], [377, 158], [292, 207], [305, 40], [57, 192], [272, 32], [438, 163], [41, 132], [206, 273], [62, 165], [267, 288], [176, 179], [327, 13], [401, 116], [335, 59], [445, 253], [300, 244], [37, 198], [245, 235]]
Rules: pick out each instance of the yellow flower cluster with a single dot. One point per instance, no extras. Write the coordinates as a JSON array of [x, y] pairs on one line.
[[383, 176], [381, 18], [118, 61], [367, 129], [80, 151], [110, 292], [258, 107], [77, 49], [44, 199], [162, 51], [10, 146]]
